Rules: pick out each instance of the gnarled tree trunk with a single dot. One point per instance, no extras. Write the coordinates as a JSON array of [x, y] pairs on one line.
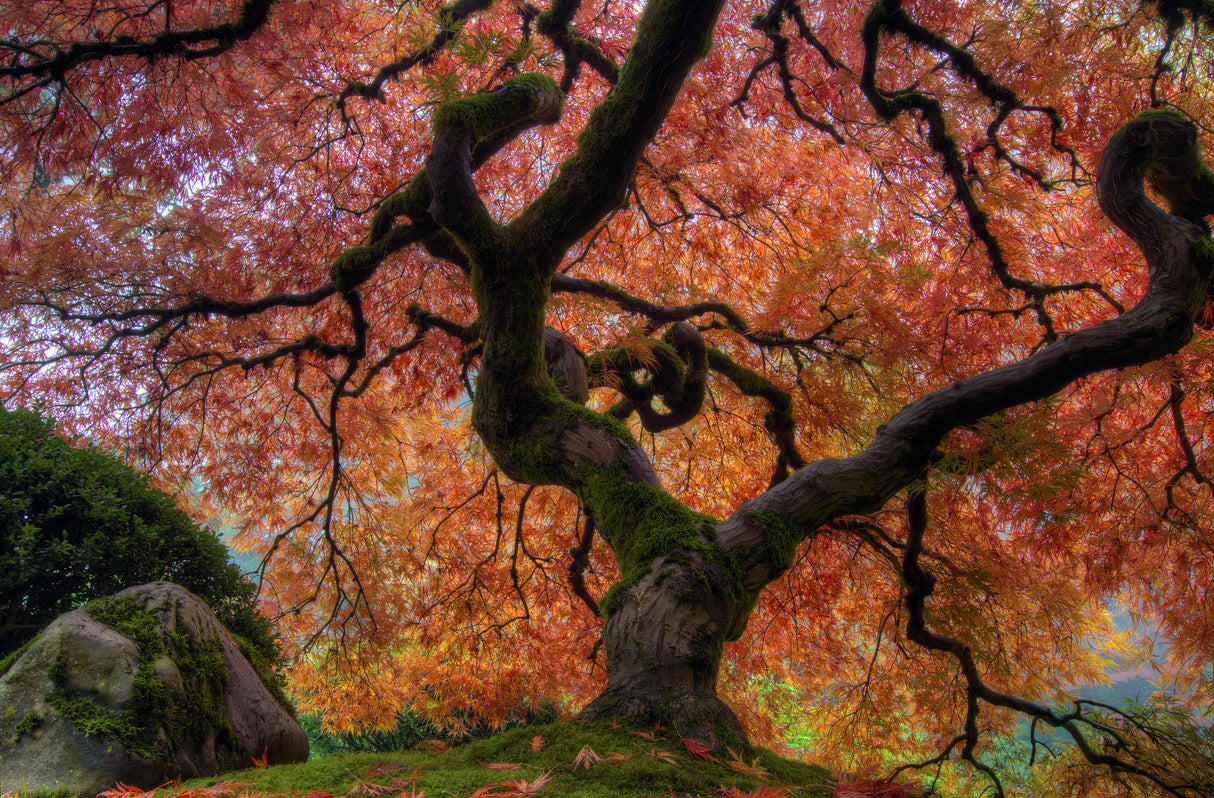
[[689, 582], [664, 640]]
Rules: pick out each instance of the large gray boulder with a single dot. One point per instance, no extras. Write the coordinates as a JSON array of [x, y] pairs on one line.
[[144, 687]]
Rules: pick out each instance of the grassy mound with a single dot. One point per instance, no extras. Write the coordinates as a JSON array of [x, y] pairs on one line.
[[573, 760]]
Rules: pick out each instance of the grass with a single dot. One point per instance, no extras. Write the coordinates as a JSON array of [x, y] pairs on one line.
[[642, 768]]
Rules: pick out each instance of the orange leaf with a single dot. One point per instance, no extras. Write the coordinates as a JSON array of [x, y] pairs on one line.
[[739, 765], [585, 758], [665, 756]]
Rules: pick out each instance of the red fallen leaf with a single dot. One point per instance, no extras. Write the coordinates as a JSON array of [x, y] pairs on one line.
[[264, 760], [537, 742], [699, 750], [120, 790], [498, 765], [1205, 317], [740, 765], [646, 735]]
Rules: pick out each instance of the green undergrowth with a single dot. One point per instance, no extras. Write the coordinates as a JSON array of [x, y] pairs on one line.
[[643, 768]]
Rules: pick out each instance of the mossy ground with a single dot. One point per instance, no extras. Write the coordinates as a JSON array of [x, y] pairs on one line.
[[463, 769]]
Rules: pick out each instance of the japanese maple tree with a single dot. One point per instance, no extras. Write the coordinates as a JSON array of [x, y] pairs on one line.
[[724, 366]]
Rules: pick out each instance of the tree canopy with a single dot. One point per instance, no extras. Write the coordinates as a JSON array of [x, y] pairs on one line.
[[839, 355]]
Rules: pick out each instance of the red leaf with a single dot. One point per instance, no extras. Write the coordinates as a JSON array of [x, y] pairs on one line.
[[699, 750]]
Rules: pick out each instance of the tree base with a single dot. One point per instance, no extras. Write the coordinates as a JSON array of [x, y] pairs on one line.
[[704, 718]]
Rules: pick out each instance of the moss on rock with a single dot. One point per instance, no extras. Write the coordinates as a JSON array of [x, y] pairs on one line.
[[179, 687]]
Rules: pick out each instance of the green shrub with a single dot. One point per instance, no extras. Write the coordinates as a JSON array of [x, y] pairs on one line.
[[76, 524]]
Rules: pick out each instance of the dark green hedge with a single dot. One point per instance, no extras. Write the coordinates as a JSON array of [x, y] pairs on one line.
[[77, 524]]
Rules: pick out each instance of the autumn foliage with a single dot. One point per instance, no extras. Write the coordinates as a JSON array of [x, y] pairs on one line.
[[215, 261]]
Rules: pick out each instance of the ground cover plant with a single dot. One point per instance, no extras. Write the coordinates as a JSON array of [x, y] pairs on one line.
[[686, 363], [567, 759]]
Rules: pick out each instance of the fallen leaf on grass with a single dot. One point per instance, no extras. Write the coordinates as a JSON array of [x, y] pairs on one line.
[[585, 758], [499, 765], [739, 765], [537, 742], [699, 750], [647, 735], [363, 785], [532, 787], [513, 788], [665, 756], [120, 790]]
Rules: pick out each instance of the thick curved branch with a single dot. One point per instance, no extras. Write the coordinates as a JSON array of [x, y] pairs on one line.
[[461, 127], [677, 366], [672, 35], [1180, 258]]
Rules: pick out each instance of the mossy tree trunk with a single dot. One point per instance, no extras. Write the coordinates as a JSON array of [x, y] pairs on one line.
[[689, 582]]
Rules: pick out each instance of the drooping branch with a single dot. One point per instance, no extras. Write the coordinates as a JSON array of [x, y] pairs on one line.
[[1079, 724], [47, 62], [557, 25], [579, 561], [888, 16], [769, 25], [450, 20], [1179, 257], [778, 420]]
